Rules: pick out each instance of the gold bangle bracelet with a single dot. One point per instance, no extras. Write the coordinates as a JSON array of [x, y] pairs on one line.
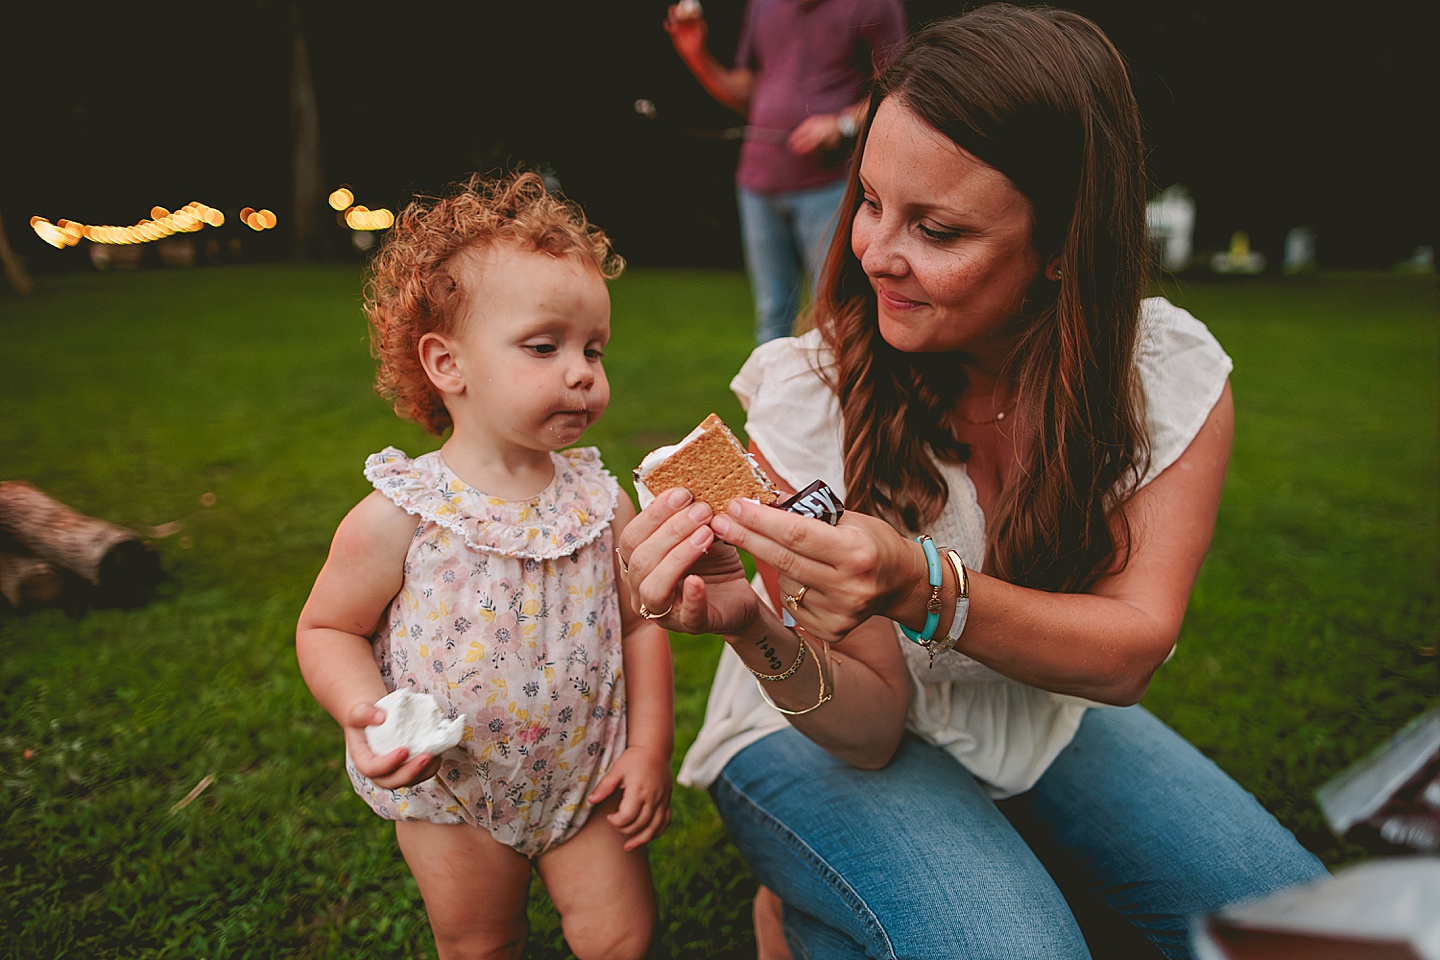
[[826, 692], [776, 677], [962, 598]]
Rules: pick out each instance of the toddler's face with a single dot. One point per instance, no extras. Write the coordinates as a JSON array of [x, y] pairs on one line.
[[529, 347]]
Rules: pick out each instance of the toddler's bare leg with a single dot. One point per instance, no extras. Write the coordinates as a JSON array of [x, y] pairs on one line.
[[603, 893], [474, 886], [769, 931]]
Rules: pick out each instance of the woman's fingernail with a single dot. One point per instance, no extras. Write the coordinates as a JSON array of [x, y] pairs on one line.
[[700, 512], [721, 526], [734, 508], [677, 497], [701, 537]]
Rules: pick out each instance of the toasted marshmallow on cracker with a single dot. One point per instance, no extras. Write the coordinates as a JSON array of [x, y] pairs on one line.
[[710, 463]]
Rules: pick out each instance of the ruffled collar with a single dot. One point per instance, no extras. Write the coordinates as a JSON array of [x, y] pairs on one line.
[[573, 511]]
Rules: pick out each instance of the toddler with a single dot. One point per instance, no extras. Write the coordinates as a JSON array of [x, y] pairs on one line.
[[484, 574]]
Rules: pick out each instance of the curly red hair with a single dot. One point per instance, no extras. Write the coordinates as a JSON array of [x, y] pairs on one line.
[[413, 291]]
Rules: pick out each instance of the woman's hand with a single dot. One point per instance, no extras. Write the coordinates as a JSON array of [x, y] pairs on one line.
[[388, 770], [850, 572], [669, 555], [674, 566]]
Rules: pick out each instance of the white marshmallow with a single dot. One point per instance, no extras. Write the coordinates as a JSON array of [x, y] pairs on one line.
[[413, 721], [688, 10]]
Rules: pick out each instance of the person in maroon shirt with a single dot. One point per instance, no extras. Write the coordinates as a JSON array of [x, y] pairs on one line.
[[800, 76]]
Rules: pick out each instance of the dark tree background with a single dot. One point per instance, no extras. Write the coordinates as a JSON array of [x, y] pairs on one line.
[[1273, 114]]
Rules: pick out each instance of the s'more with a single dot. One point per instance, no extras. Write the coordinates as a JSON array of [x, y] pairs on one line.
[[710, 463]]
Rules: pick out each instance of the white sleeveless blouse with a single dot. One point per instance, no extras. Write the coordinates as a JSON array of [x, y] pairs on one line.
[[1004, 732]]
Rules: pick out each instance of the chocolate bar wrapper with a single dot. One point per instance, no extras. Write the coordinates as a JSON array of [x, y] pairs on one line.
[[818, 501]]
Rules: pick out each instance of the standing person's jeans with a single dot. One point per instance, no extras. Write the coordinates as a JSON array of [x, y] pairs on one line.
[[915, 860], [784, 233]]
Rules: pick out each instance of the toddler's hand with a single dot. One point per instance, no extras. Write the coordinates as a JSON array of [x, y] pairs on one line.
[[643, 774], [389, 770]]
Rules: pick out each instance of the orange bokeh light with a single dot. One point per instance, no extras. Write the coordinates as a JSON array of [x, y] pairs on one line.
[[161, 223]]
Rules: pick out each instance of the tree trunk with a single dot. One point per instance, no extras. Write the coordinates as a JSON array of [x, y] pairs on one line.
[[28, 581], [112, 558], [14, 269], [307, 176]]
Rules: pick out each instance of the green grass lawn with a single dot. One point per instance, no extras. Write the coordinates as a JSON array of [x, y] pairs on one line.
[[236, 403]]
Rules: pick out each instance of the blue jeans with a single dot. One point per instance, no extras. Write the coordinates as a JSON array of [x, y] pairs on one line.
[[915, 860], [783, 234]]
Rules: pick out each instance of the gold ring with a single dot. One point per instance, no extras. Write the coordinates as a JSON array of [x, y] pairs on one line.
[[624, 567], [645, 611], [793, 600]]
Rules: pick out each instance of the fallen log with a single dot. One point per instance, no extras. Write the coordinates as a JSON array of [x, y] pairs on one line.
[[28, 582], [113, 559]]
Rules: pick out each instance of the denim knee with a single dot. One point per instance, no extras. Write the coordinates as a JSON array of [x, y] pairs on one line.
[[804, 880], [890, 876]]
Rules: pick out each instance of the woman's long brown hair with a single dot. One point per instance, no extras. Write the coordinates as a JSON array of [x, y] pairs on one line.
[[1042, 96]]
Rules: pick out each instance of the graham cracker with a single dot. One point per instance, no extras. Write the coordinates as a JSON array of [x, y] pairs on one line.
[[714, 467]]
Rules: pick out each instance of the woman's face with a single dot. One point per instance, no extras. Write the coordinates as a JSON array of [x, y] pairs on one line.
[[944, 239]]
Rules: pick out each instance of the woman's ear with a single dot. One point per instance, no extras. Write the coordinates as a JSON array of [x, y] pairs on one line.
[[437, 359], [1053, 272]]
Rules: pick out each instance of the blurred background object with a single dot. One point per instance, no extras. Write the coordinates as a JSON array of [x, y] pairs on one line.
[[1380, 910], [1389, 800], [121, 568], [1271, 115], [1170, 221]]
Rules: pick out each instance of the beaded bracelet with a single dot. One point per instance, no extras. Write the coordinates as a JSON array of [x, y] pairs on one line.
[[776, 677], [932, 607], [826, 691]]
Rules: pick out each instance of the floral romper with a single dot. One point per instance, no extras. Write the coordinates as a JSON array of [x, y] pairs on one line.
[[509, 617]]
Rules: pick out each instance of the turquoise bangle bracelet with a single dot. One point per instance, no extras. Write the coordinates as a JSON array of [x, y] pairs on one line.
[[932, 615]]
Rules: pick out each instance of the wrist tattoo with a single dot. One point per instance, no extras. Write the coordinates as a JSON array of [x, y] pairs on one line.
[[768, 649]]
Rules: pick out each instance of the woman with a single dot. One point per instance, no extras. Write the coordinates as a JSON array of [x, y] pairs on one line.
[[983, 371]]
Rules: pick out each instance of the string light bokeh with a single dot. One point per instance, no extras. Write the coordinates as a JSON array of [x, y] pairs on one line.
[[161, 224], [195, 216], [356, 216], [258, 220]]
